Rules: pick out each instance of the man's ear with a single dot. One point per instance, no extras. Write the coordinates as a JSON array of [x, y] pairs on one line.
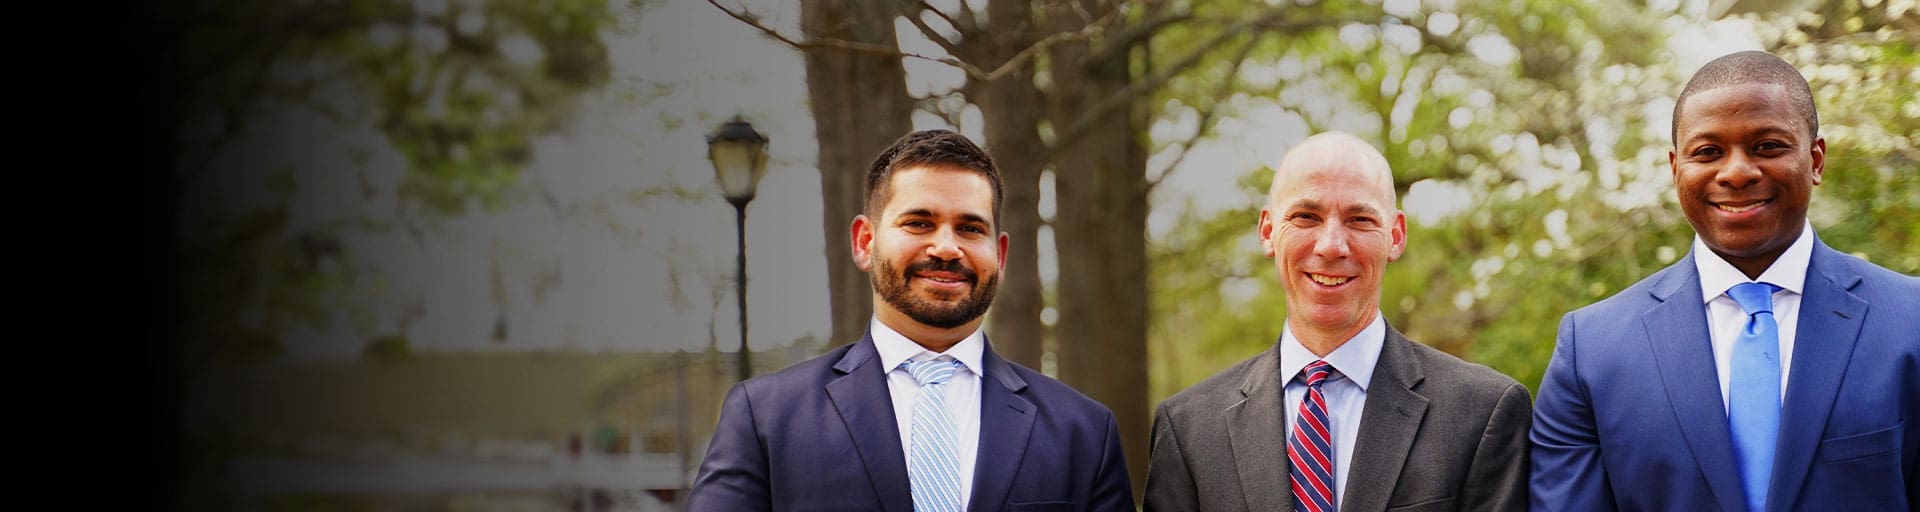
[[1399, 236], [1673, 164], [1003, 250], [1265, 229], [1819, 158], [862, 238]]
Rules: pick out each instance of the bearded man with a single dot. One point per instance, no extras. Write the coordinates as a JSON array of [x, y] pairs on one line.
[[919, 414]]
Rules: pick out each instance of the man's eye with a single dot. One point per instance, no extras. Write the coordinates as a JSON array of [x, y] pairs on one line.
[[1706, 152]]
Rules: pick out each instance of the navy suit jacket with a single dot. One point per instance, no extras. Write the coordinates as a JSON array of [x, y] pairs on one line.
[[821, 435], [1630, 417]]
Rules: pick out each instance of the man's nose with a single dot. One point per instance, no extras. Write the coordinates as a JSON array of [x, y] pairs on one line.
[[1331, 241], [1739, 172], [945, 245]]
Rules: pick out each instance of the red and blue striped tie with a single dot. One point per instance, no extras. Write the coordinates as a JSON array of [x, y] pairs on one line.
[[1310, 447]]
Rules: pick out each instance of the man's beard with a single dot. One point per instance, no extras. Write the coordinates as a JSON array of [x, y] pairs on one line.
[[891, 284]]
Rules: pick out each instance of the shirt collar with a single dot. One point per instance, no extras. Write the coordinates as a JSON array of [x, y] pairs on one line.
[[1353, 359], [1788, 272], [895, 348]]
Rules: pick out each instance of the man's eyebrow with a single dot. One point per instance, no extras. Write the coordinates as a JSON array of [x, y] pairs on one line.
[[1711, 135], [921, 213], [1360, 209]]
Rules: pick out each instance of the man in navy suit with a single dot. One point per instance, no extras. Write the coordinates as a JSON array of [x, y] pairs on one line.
[[1765, 371], [920, 414]]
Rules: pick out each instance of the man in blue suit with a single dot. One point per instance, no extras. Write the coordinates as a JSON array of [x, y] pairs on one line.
[[920, 414], [1765, 371]]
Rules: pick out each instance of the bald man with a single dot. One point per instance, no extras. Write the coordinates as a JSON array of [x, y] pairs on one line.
[[1343, 413]]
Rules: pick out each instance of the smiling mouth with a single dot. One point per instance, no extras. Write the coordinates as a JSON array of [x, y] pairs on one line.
[[1327, 280], [1741, 208], [943, 279]]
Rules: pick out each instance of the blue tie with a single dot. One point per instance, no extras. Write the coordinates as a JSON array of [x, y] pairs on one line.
[[933, 468], [1753, 390]]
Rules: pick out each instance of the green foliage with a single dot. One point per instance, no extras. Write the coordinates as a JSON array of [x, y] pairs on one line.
[[1557, 158], [460, 90], [388, 349], [1198, 325], [1869, 198], [248, 281]]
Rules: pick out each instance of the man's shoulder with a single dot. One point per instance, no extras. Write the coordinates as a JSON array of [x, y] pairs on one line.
[[1049, 393], [1451, 371], [1639, 295], [1875, 279], [1214, 392], [795, 377]]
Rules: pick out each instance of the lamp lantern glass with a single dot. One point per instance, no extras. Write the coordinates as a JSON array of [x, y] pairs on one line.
[[739, 156]]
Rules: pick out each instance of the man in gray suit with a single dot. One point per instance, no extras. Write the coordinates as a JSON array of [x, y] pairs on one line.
[[1343, 413]]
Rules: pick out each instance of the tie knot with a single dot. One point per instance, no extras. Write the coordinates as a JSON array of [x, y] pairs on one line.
[[1754, 298], [933, 371], [1316, 372]]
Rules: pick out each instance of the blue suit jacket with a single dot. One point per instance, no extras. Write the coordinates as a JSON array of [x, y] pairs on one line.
[[821, 435], [1630, 418]]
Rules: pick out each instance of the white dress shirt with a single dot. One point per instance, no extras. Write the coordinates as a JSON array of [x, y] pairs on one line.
[[1345, 391], [963, 392], [1725, 319]]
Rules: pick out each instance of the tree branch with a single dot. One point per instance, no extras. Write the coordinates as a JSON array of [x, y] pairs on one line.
[[1134, 90], [1206, 116], [1005, 68], [966, 31], [1139, 32], [1026, 54], [933, 35], [837, 44]]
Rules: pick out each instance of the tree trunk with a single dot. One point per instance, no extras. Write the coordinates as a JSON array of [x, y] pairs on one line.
[[1012, 108], [1100, 231], [860, 105]]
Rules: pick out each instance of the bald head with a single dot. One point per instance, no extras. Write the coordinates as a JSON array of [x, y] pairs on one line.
[[1333, 152], [1331, 226]]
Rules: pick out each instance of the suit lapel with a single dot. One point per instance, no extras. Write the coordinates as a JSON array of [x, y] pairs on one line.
[[1006, 421], [1388, 424], [1829, 324], [1676, 332], [1256, 427], [860, 396]]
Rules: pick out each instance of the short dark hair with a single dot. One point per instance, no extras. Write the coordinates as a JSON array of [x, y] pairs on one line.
[[929, 148], [1751, 67]]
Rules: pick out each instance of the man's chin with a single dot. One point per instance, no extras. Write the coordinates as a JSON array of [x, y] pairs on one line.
[[944, 319]]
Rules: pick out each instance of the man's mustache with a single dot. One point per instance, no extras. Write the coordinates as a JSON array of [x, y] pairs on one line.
[[934, 265]]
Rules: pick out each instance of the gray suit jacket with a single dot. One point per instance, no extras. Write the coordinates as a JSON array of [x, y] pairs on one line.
[[1437, 433]]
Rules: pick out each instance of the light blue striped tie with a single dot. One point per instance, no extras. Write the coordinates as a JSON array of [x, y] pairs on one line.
[[933, 468], [1753, 391]]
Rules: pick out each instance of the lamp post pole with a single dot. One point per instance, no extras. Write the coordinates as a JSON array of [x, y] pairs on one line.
[[740, 277], [739, 156]]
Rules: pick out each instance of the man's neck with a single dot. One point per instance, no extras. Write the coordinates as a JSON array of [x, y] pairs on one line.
[[1752, 267], [934, 339], [1324, 341]]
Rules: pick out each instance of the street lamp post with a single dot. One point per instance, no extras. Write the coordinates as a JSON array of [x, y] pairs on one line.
[[739, 156]]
